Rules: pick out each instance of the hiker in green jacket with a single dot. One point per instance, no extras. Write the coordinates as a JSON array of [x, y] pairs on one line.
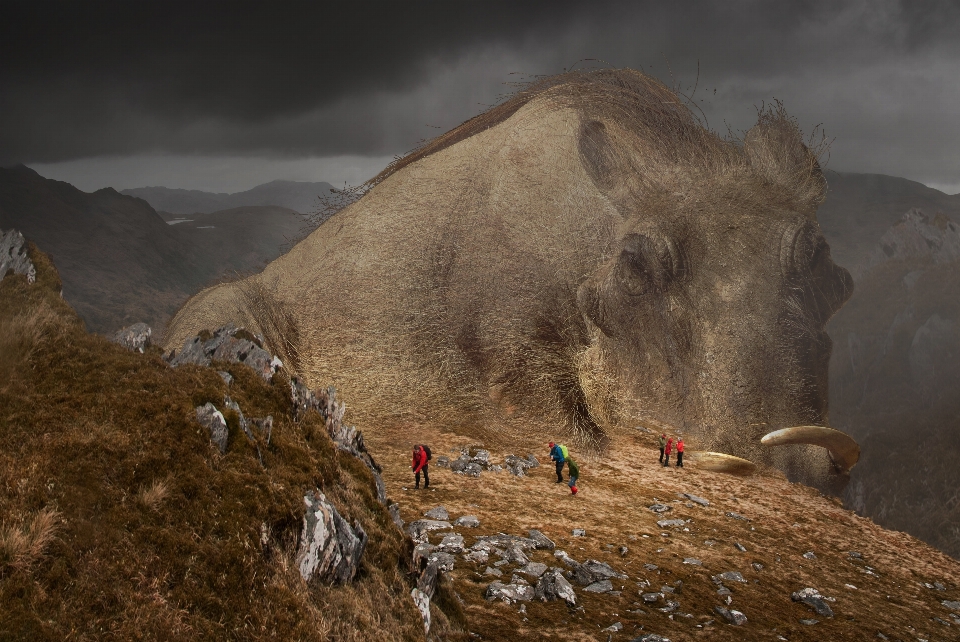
[[663, 444], [574, 474]]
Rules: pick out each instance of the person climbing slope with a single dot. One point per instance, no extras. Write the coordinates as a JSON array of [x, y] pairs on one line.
[[419, 464], [558, 453], [680, 452], [663, 443], [574, 475], [666, 452]]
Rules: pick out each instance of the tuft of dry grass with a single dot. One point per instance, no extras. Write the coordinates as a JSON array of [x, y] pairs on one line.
[[21, 546], [155, 494]]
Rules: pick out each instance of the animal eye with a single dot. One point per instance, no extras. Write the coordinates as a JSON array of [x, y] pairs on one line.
[[647, 264]]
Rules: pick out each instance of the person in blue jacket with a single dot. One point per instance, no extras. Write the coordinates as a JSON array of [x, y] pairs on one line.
[[558, 456]]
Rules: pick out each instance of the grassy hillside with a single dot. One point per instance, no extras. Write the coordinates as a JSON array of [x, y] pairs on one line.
[[119, 520]]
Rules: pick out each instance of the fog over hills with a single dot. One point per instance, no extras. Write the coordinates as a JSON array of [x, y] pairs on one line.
[[299, 196]]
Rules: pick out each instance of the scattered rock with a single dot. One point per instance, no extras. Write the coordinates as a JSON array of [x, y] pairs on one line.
[[509, 593], [855, 555], [13, 256], [439, 513], [733, 515], [652, 567], [579, 532], [493, 571], [517, 465], [729, 576], [423, 605], [623, 551], [692, 560], [740, 547], [421, 553], [212, 419], [452, 543], [442, 461], [226, 376], [603, 586], [695, 499], [953, 606], [757, 566], [467, 521], [552, 585], [650, 637], [809, 622], [330, 549], [419, 529], [602, 570], [444, 560], [936, 586], [730, 615], [613, 628], [534, 569], [480, 556], [812, 598], [667, 523], [394, 514], [810, 555], [651, 598], [659, 508], [133, 337], [566, 559], [532, 461], [427, 583], [541, 540]]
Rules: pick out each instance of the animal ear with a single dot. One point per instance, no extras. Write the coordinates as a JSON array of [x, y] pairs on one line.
[[597, 153], [648, 263], [775, 149]]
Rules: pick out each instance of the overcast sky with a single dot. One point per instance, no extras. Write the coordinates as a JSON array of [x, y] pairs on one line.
[[226, 96]]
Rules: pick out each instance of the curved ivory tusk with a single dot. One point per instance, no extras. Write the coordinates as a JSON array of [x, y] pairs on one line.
[[844, 451], [723, 463]]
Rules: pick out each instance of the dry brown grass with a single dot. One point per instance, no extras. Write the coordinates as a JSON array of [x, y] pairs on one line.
[[121, 521], [22, 545], [787, 520]]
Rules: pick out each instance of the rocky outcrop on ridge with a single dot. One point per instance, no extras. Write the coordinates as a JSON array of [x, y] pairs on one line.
[[13, 256], [228, 343]]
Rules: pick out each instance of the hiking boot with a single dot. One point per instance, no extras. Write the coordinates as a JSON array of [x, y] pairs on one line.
[[573, 490]]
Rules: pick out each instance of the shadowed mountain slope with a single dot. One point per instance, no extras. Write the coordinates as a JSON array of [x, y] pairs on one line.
[[860, 208], [120, 262], [296, 195]]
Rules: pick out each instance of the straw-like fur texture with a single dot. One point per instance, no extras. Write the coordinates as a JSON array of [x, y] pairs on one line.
[[582, 257]]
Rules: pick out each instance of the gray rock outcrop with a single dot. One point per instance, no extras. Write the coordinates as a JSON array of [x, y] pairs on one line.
[[224, 345], [212, 419], [552, 585], [330, 549], [812, 598], [13, 256], [133, 337]]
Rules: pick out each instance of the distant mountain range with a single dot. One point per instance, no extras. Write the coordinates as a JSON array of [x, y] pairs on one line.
[[301, 197], [860, 208], [121, 263]]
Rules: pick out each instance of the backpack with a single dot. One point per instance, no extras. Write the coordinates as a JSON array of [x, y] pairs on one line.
[[564, 452], [426, 449]]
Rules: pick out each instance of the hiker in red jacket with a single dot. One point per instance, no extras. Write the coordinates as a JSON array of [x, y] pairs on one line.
[[680, 452], [420, 464], [666, 452]]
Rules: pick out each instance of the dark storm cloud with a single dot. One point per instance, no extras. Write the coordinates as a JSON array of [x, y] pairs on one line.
[[299, 80]]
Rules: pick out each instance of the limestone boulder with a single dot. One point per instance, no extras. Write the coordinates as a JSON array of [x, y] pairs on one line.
[[330, 549]]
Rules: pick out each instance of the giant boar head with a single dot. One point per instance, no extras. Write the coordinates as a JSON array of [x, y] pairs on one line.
[[711, 311]]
